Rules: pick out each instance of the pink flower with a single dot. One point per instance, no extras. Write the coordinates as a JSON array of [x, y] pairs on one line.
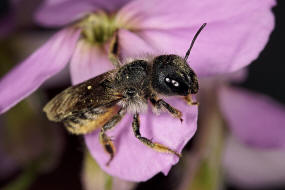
[[234, 36], [254, 154], [252, 167], [255, 119]]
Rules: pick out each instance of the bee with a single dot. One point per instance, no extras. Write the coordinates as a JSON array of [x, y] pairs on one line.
[[101, 102]]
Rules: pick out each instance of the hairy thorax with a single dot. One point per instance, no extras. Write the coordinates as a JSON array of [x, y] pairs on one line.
[[134, 105], [132, 80]]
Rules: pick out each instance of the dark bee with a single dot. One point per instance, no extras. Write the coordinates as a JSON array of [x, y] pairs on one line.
[[101, 102]]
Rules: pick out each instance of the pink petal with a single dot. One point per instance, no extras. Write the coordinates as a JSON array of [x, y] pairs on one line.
[[234, 36], [62, 12], [255, 119], [110, 5], [41, 65], [233, 77], [248, 167], [132, 45], [238, 76], [135, 161], [58, 13], [88, 61]]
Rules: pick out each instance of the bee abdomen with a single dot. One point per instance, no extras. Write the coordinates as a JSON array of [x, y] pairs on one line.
[[86, 122]]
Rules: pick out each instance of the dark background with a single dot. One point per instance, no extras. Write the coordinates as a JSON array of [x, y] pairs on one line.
[[266, 75]]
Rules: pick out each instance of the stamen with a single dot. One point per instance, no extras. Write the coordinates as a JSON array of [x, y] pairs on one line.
[[98, 28]]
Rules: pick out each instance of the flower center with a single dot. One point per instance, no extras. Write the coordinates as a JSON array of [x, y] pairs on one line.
[[98, 28]]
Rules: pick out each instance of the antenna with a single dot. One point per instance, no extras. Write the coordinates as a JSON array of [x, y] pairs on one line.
[[194, 39]]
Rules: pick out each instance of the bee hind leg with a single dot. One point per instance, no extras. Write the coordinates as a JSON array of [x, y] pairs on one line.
[[105, 140], [156, 146]]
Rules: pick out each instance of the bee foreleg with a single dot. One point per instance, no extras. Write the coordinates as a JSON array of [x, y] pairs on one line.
[[156, 146], [159, 104], [190, 101], [105, 139]]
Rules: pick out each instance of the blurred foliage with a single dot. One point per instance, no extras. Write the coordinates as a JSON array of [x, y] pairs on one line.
[[24, 180], [206, 153], [33, 143], [94, 178], [8, 55]]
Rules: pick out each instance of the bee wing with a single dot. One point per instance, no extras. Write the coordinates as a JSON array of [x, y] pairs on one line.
[[92, 97]]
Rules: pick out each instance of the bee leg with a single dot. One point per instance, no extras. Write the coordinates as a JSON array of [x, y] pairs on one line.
[[156, 146], [113, 52], [159, 104], [105, 140], [189, 100]]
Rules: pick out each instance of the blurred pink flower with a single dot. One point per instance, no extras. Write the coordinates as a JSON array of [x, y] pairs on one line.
[[254, 154], [255, 119], [252, 167], [234, 36]]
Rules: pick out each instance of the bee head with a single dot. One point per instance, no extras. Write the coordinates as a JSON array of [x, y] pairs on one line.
[[172, 76]]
